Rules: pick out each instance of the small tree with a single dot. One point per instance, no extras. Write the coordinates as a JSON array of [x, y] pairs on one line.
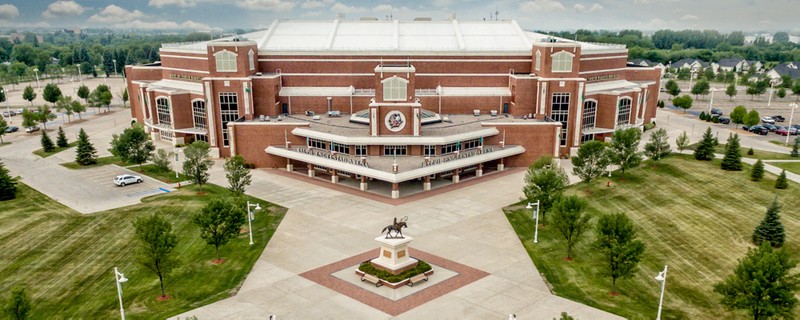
[[65, 103], [125, 97], [731, 92], [132, 146], [8, 185], [3, 126], [83, 93], [570, 220], [781, 93], [624, 149], [591, 162], [43, 115], [29, 118], [78, 108], [616, 240], [782, 182], [545, 184], [682, 141], [672, 88], [197, 162], [29, 94], [19, 305], [161, 159], [758, 171], [795, 148], [156, 242], [238, 175], [61, 139], [705, 151], [47, 143], [51, 93], [700, 88], [738, 114], [770, 229], [752, 118], [733, 156], [219, 222], [762, 283], [658, 147], [684, 102], [85, 153]]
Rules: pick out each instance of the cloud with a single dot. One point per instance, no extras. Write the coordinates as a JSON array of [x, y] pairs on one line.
[[188, 24], [384, 8], [596, 7], [641, 1], [313, 4], [541, 6], [442, 3], [689, 17], [63, 8], [270, 5], [343, 8], [114, 13], [176, 3], [766, 22], [8, 11]]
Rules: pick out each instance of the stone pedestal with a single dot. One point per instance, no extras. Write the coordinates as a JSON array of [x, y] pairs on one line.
[[364, 186], [456, 178], [395, 191], [289, 167], [500, 167], [335, 178], [393, 256], [426, 186]]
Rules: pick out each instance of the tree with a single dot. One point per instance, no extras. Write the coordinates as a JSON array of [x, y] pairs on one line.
[[616, 240], [51, 93], [61, 139], [197, 162], [762, 284], [738, 114], [103, 95], [565, 316], [672, 88], [83, 93], [700, 88], [43, 115], [658, 147], [795, 148], [156, 242], [47, 143], [29, 118], [66, 104], [796, 90], [3, 96], [781, 182], [624, 148], [29, 94], [161, 159], [570, 220], [758, 171], [731, 92], [770, 229], [78, 108], [85, 153], [3, 126], [781, 93], [132, 146], [733, 156], [125, 97], [238, 175], [19, 305], [780, 36], [219, 221], [752, 118], [591, 161], [545, 184], [684, 102], [8, 185], [682, 141], [705, 150]]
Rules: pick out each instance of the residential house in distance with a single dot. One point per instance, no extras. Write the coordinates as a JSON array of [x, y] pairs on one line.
[[731, 64], [791, 69], [694, 65], [648, 64]]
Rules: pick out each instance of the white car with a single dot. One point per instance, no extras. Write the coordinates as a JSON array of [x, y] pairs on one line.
[[126, 179], [768, 120]]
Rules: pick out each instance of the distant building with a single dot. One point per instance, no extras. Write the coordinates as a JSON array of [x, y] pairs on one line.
[[791, 69]]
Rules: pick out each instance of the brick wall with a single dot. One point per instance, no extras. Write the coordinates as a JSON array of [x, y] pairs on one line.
[[268, 134], [537, 138]]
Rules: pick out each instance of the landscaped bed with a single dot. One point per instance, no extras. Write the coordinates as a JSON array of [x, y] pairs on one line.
[[398, 279]]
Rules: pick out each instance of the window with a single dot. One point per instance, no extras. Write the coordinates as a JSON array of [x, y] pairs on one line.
[[471, 144], [586, 138], [251, 59], [165, 135], [162, 110], [316, 143], [394, 89], [201, 137], [589, 114], [560, 112], [624, 111], [228, 111], [199, 114], [226, 61], [562, 61], [429, 151], [538, 60], [395, 151], [450, 148], [361, 150], [340, 148]]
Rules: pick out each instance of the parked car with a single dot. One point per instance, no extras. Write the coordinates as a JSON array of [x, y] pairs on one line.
[[770, 127], [784, 131], [768, 120], [11, 129], [663, 89], [32, 129], [724, 120], [716, 112], [779, 118], [7, 114], [759, 130], [127, 179]]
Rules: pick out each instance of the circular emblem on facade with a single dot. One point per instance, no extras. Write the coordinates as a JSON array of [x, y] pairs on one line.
[[395, 121]]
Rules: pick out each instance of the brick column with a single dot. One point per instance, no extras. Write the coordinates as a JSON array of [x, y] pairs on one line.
[[395, 190], [456, 177], [364, 185], [311, 172], [334, 177], [426, 185], [479, 172]]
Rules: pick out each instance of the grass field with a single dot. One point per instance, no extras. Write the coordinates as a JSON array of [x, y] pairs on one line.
[[41, 153], [691, 215], [150, 170], [757, 154], [789, 166], [66, 260], [101, 161]]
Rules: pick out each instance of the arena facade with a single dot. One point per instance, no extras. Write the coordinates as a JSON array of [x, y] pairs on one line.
[[385, 106]]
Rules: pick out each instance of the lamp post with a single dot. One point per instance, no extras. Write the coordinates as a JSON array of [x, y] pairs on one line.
[[175, 151], [251, 217], [36, 72], [120, 278], [711, 103], [536, 217], [115, 66], [771, 89], [793, 105], [661, 277], [692, 72], [80, 77]]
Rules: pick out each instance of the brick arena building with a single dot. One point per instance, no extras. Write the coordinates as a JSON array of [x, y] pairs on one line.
[[380, 105]]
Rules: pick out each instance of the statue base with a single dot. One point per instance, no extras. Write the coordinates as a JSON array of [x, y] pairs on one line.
[[393, 256]]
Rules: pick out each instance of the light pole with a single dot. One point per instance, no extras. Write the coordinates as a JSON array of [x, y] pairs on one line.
[[251, 217], [771, 88], [793, 105], [115, 66], [711, 103], [535, 216], [36, 72], [80, 77], [692, 72], [661, 277], [120, 278]]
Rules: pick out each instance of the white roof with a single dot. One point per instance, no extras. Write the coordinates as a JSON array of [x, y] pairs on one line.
[[176, 86], [612, 87]]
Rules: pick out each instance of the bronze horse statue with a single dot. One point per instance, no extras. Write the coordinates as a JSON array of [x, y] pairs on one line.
[[397, 227]]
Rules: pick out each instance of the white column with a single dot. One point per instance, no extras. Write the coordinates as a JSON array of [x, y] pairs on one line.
[[212, 132], [576, 136]]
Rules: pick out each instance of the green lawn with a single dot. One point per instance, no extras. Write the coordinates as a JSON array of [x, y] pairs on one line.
[[100, 162], [757, 154], [66, 259], [691, 215], [41, 153], [789, 166], [153, 172]]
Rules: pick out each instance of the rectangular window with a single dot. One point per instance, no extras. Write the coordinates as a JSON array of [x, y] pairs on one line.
[[395, 150], [624, 111], [560, 113], [450, 148], [316, 143], [340, 148], [586, 138], [361, 150], [162, 111], [199, 114], [589, 115], [165, 135], [201, 137], [429, 151], [228, 112]]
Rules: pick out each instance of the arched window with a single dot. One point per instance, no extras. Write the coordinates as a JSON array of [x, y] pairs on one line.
[[199, 114], [589, 114], [251, 59], [538, 60], [162, 110], [395, 89], [624, 111], [226, 61], [562, 61]]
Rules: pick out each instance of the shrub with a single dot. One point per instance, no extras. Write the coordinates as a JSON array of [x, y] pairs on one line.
[[715, 119], [368, 268], [782, 182], [161, 159], [758, 171], [649, 126], [751, 152], [703, 115]]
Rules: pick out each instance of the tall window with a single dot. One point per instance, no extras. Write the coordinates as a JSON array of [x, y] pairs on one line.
[[538, 60], [394, 89], [562, 61], [624, 115], [589, 114], [199, 114], [361, 150], [228, 111], [251, 59], [162, 110], [560, 112], [226, 61]]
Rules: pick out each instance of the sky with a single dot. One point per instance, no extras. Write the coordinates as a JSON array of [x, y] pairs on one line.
[[202, 15]]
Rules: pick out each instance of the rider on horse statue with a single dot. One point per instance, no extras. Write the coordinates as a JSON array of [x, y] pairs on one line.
[[397, 227]]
